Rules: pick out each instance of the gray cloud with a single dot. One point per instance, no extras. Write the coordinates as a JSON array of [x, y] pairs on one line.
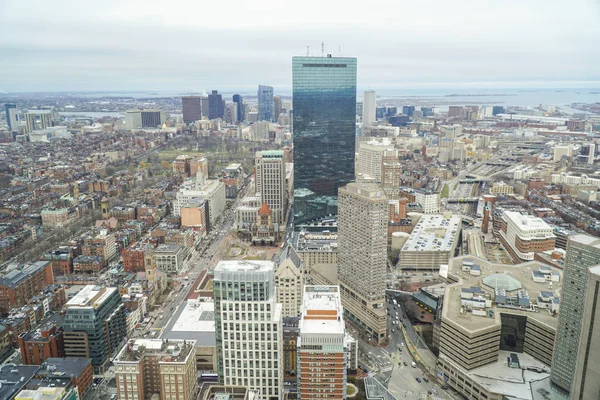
[[190, 45]]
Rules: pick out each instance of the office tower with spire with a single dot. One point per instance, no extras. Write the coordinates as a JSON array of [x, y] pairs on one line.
[[322, 358], [362, 255], [369, 105], [265, 103], [583, 252], [216, 106], [191, 107], [324, 132], [239, 100], [248, 327]]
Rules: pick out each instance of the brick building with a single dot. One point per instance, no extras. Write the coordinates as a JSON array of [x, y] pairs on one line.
[[43, 343], [19, 283]]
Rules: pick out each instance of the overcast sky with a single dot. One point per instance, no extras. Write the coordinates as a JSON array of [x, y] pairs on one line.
[[195, 45]]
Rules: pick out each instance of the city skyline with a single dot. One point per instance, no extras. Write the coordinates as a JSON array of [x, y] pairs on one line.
[[448, 45]]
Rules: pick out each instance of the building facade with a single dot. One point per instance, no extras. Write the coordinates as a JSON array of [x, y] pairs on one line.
[[265, 103], [239, 100], [583, 252], [191, 107], [270, 170], [216, 105], [248, 327], [526, 235], [322, 358], [324, 132], [362, 255], [289, 280], [369, 105]]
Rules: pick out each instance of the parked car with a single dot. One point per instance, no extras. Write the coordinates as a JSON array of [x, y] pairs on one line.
[[418, 380]]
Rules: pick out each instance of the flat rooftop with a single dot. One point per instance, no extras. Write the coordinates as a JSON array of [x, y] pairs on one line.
[[167, 351], [91, 296], [433, 232], [513, 383], [321, 310], [315, 241], [527, 222], [20, 375], [193, 320], [514, 278], [243, 266], [72, 366]]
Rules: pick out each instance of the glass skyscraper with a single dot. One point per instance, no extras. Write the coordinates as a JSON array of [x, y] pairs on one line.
[[324, 121], [265, 103], [239, 100]]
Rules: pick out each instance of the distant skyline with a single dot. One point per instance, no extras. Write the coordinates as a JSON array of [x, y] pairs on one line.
[[188, 46]]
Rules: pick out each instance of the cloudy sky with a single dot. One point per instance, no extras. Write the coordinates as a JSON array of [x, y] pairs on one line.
[[195, 45]]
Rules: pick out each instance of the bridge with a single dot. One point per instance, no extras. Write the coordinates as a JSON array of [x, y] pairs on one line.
[[463, 200], [474, 180]]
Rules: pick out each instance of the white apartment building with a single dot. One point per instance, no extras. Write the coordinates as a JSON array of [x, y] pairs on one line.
[[369, 106], [563, 150], [429, 201], [370, 159], [501, 188], [322, 356], [213, 191], [289, 280], [248, 327], [270, 182], [526, 235]]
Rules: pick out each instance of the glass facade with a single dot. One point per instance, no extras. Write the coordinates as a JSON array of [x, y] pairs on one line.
[[324, 129], [239, 100], [266, 104], [583, 251]]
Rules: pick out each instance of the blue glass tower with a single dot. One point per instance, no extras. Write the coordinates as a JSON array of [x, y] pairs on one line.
[[239, 100], [324, 121], [266, 104]]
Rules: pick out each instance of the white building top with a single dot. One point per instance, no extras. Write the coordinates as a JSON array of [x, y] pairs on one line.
[[322, 311], [434, 233], [529, 224], [91, 296]]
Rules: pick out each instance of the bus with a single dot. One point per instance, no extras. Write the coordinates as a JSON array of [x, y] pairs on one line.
[[209, 377]]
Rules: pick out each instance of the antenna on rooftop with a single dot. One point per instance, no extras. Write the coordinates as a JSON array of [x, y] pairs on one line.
[[322, 49], [307, 51]]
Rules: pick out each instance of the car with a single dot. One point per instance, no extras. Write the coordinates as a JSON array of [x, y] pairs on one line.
[[418, 379], [402, 344], [405, 364], [399, 364], [425, 379]]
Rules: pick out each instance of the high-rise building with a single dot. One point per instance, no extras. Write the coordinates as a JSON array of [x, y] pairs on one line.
[[270, 170], [10, 114], [370, 159], [369, 105], [45, 120], [191, 107], [145, 367], [204, 103], [138, 119], [277, 106], [94, 325], [289, 281], [362, 245], [408, 110], [216, 107], [586, 382], [231, 113], [265, 103], [248, 327], [321, 345], [324, 126], [31, 121], [583, 251], [239, 100]]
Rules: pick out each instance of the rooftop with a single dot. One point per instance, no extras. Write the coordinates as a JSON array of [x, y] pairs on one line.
[[434, 232], [14, 378], [168, 248], [315, 241], [321, 310], [164, 350], [91, 296], [70, 366], [242, 266], [479, 297], [527, 222], [14, 274], [193, 320]]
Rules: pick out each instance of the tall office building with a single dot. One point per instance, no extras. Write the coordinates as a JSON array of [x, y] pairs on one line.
[[265, 103], [138, 119], [31, 121], [216, 107], [362, 252], [324, 126], [248, 327], [239, 100], [94, 325], [369, 105], [231, 113], [277, 106], [204, 103], [45, 120], [583, 251], [270, 170], [586, 382], [191, 107], [321, 346], [12, 125]]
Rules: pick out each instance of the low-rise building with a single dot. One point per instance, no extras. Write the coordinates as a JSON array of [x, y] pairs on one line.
[[524, 235], [78, 370], [43, 343], [145, 367], [316, 247], [501, 188], [88, 264], [19, 283], [169, 258]]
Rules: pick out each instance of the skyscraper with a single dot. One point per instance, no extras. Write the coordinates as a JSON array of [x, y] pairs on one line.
[[583, 251], [277, 106], [270, 171], [216, 107], [31, 121], [191, 107], [362, 252], [369, 105], [248, 327], [239, 100], [265, 103], [586, 383], [324, 126], [321, 345], [8, 107]]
